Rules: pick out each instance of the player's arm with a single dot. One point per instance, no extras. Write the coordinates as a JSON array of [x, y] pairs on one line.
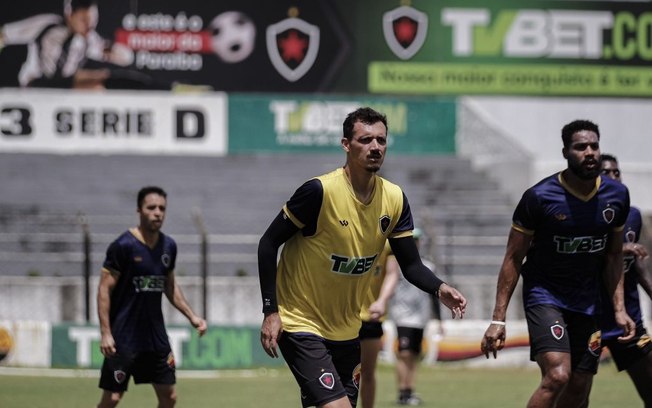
[[378, 308], [175, 295], [279, 231], [518, 244], [643, 275], [407, 255], [299, 213], [613, 280], [108, 280]]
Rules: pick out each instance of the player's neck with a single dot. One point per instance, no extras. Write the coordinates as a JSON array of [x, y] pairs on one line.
[[362, 182], [150, 238], [578, 184]]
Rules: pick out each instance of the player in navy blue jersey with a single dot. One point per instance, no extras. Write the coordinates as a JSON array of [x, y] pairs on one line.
[[568, 228], [634, 355], [138, 269]]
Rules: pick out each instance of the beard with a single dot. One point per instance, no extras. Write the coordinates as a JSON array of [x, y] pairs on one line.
[[582, 172]]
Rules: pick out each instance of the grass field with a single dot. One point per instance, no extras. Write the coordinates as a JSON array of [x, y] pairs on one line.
[[439, 386]]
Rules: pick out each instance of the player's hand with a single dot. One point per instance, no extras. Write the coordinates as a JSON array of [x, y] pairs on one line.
[[376, 310], [493, 340], [638, 250], [627, 324], [199, 324], [270, 332], [452, 299], [107, 345]]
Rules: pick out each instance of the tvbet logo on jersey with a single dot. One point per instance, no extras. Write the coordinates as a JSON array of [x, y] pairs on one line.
[[352, 266]]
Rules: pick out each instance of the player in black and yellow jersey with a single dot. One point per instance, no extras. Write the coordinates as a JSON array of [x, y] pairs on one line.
[[334, 228]]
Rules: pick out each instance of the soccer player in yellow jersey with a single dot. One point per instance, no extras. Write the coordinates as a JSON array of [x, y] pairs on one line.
[[333, 229]]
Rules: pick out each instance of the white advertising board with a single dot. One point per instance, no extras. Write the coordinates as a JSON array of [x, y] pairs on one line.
[[110, 122]]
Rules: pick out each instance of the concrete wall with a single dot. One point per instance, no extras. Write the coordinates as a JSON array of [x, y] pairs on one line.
[[535, 125]]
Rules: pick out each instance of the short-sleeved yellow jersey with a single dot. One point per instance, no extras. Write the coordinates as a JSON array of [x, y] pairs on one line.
[[323, 278]]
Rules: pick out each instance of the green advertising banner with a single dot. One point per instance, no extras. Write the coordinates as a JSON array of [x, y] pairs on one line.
[[279, 123], [503, 47], [220, 348]]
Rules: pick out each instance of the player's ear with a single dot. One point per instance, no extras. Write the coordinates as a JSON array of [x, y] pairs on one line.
[[345, 144], [564, 152]]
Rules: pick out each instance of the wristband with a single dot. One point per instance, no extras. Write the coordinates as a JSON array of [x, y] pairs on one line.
[[497, 322]]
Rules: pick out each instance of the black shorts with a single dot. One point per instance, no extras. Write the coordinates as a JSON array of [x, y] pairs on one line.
[[554, 329], [325, 370], [626, 354], [370, 330], [146, 367], [409, 338]]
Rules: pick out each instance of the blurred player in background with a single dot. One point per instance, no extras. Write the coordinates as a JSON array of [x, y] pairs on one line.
[[634, 355], [138, 269], [568, 228], [411, 310], [373, 313], [333, 229]]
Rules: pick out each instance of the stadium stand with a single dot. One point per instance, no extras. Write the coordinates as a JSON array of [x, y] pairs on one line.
[[45, 196]]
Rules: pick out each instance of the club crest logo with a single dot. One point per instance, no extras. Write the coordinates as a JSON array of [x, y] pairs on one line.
[[595, 343], [630, 236], [384, 222], [557, 331], [327, 380], [165, 258], [608, 214], [171, 361], [119, 376], [405, 31], [357, 373], [292, 46]]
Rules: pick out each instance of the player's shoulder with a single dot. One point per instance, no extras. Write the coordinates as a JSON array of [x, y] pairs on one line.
[[546, 183], [388, 186], [126, 238], [544, 186], [331, 178], [607, 183], [167, 240]]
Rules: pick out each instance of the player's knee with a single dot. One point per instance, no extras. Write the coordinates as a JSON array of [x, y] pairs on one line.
[[169, 400], [110, 399], [556, 379]]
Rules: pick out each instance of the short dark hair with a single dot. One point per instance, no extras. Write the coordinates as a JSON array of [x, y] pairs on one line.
[[575, 126], [608, 157], [70, 6], [150, 190], [364, 115]]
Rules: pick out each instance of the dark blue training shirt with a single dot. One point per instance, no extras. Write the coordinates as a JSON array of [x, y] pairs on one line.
[[565, 261], [610, 329], [136, 316]]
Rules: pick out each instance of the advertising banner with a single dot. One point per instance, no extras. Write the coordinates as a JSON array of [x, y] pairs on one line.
[[508, 47], [260, 123], [423, 47], [230, 45], [153, 122], [220, 348]]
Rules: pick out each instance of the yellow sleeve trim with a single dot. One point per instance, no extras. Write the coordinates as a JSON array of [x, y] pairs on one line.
[[292, 218], [111, 272], [621, 228], [402, 234], [523, 230]]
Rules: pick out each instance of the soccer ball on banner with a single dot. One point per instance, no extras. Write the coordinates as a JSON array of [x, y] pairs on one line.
[[234, 35]]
